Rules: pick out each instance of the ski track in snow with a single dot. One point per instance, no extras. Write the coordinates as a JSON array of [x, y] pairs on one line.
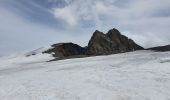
[[139, 75]]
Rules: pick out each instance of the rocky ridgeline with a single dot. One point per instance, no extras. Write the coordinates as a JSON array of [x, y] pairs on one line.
[[100, 44], [160, 48]]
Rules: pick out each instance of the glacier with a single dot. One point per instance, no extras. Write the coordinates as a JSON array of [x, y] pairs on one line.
[[139, 75]]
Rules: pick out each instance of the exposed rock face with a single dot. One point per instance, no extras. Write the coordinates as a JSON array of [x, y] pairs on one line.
[[123, 42], [110, 43], [99, 44], [161, 48], [65, 50]]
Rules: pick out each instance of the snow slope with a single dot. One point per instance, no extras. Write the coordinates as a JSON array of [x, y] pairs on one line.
[[140, 75]]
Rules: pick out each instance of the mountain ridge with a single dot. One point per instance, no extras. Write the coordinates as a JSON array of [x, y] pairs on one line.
[[100, 43], [160, 48]]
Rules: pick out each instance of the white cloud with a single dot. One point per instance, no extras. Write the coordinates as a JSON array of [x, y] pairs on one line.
[[78, 11], [66, 15]]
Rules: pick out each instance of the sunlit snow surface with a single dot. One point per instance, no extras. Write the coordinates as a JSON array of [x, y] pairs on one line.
[[140, 75]]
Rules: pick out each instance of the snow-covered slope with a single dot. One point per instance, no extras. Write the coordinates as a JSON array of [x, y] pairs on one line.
[[140, 75]]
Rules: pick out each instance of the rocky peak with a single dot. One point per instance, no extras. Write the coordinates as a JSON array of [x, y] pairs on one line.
[[97, 34], [123, 41], [100, 44], [113, 33], [111, 42]]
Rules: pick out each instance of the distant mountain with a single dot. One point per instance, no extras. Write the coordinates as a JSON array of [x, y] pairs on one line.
[[100, 44], [161, 48]]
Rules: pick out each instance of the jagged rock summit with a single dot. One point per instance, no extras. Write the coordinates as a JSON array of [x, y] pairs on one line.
[[100, 44], [110, 43]]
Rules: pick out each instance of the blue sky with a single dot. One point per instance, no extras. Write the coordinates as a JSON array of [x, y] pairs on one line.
[[30, 24]]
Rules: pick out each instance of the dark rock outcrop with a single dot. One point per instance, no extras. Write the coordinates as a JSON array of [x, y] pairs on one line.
[[65, 50], [160, 48], [110, 43], [99, 44]]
